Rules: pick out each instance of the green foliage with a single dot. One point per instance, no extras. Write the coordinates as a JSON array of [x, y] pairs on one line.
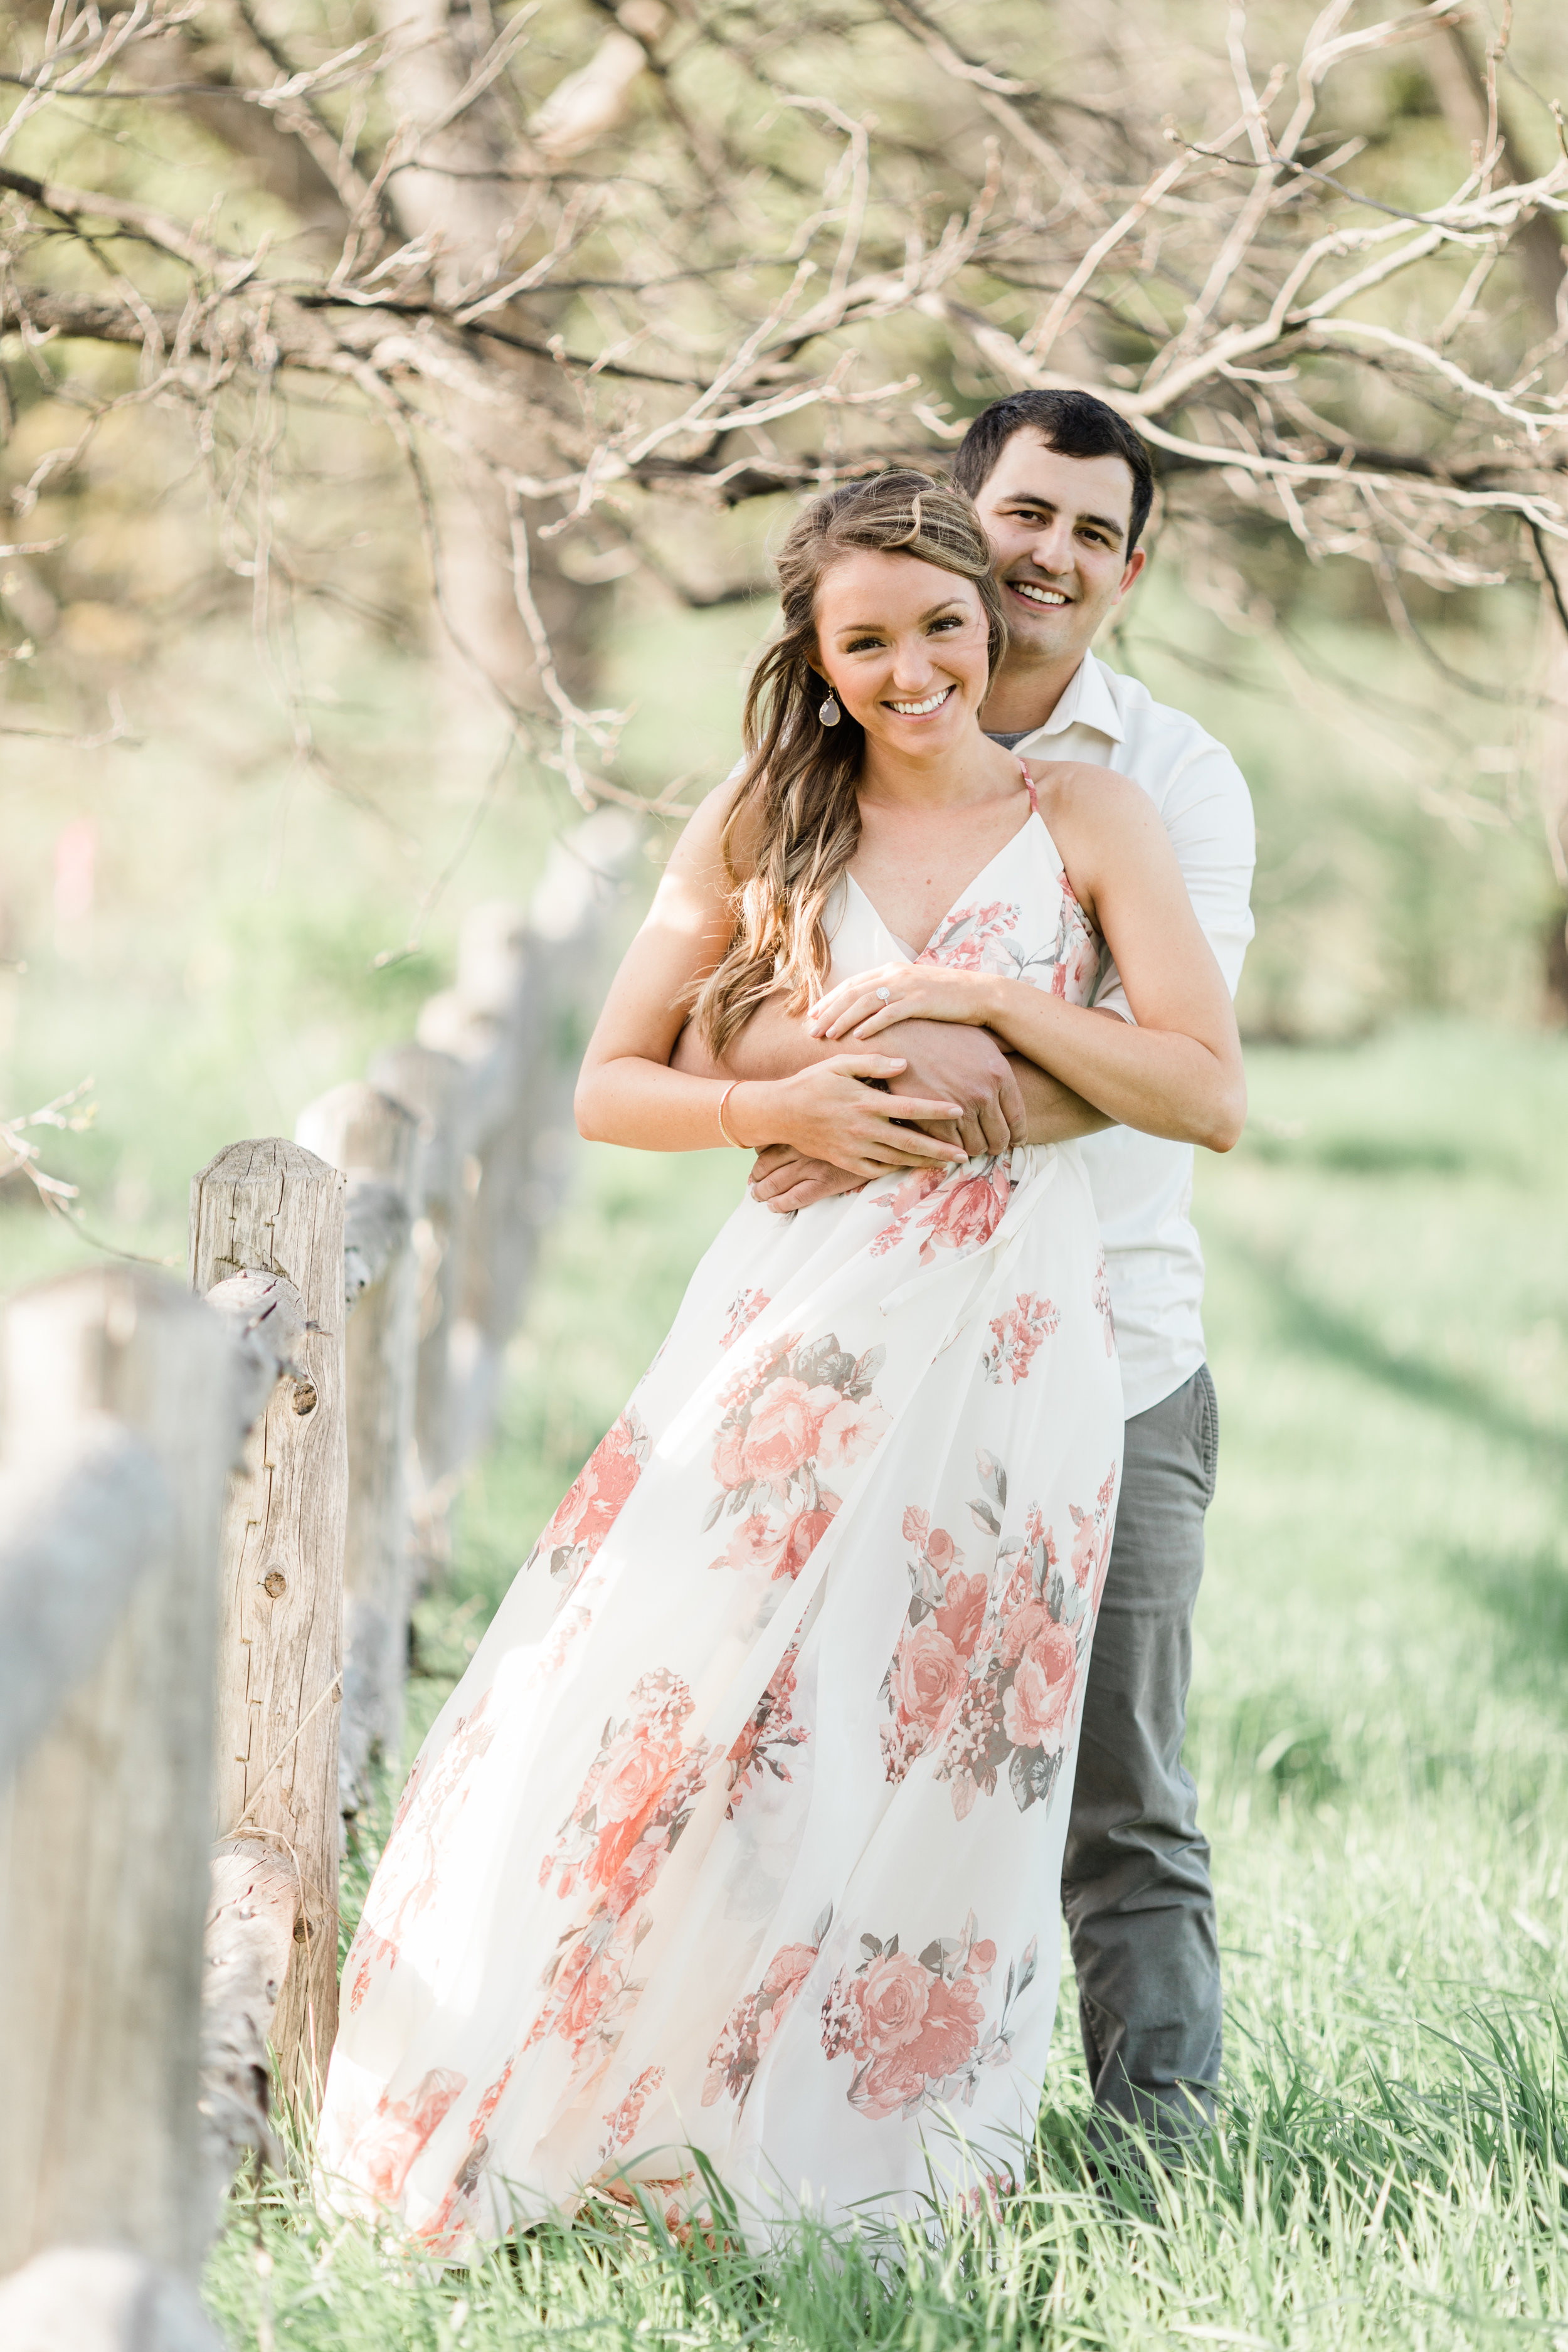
[[1378, 1730], [1400, 862]]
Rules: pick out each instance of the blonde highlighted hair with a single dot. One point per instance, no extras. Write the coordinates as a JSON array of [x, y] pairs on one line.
[[793, 823]]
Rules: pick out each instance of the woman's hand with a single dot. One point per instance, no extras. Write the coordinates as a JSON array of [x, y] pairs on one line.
[[873, 1000], [828, 1112]]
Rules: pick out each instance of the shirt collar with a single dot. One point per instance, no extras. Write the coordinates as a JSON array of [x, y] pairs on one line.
[[1086, 702]]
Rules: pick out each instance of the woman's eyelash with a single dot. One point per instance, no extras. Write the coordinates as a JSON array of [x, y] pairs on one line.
[[869, 645]]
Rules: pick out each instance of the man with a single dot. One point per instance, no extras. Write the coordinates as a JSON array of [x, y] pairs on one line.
[[1064, 486]]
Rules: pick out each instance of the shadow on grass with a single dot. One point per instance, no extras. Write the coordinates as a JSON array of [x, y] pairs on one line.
[[1308, 1325], [1376, 1155], [1526, 1595]]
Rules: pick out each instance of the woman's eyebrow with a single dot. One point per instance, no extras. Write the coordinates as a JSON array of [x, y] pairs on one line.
[[880, 628]]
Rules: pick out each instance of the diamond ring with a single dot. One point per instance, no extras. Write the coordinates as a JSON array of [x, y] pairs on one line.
[[883, 995]]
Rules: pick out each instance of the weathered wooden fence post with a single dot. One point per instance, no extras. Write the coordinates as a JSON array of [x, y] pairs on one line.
[[271, 1208], [375, 1142], [432, 1085], [492, 1023], [568, 921], [119, 1426]]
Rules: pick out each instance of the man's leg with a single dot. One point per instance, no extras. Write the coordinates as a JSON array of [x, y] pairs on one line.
[[1135, 1879]]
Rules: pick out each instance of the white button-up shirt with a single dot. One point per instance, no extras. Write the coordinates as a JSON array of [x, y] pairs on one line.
[[1144, 1184]]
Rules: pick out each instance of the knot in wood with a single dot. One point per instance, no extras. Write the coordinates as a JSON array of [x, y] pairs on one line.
[[304, 1396], [274, 1583]]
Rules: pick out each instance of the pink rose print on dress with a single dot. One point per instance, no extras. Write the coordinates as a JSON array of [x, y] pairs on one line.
[[969, 939], [770, 1734], [594, 1503], [641, 1784], [1016, 1709], [1074, 958], [752, 2022], [916, 2028], [1102, 1303], [745, 1308], [385, 2150], [993, 939], [782, 1433], [1016, 1337], [1091, 1542], [629, 1815], [805, 1411], [444, 2232], [622, 2121], [928, 1669], [964, 1211]]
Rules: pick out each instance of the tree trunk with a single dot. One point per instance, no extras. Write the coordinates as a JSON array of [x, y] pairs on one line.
[[461, 199], [1461, 87]]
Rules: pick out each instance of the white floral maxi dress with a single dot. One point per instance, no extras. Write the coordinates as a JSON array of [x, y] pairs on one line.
[[759, 1851]]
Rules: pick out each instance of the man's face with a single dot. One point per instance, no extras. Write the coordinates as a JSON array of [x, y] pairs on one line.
[[1058, 525]]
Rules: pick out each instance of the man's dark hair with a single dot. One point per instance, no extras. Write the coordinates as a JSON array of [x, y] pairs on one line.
[[1075, 422]]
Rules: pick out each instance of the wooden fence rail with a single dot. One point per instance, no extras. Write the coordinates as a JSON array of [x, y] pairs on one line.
[[178, 1661]]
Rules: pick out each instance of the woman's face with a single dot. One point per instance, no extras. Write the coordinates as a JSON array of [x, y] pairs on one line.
[[905, 648]]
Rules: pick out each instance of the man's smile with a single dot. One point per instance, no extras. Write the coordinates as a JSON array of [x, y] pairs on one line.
[[1035, 592]]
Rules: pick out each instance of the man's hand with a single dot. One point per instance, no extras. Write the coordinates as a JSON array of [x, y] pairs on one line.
[[781, 1181], [992, 1086], [977, 1075], [965, 1066]]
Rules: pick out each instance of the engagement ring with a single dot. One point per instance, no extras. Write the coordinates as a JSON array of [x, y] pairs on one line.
[[883, 995]]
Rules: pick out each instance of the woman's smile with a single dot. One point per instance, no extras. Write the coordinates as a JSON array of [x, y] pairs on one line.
[[926, 709]]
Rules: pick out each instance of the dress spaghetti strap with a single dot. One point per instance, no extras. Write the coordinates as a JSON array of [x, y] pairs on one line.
[[1029, 788]]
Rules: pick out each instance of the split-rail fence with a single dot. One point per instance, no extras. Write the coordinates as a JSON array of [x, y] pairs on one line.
[[217, 1504]]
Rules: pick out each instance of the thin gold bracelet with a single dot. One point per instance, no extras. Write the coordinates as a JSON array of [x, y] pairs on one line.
[[730, 1139]]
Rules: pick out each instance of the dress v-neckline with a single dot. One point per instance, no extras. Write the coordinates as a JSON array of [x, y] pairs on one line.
[[914, 954]]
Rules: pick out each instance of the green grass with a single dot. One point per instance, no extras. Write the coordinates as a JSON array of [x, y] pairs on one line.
[[1380, 1730]]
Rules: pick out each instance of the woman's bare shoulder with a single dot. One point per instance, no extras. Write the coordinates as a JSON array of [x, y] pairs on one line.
[[1077, 795], [701, 847]]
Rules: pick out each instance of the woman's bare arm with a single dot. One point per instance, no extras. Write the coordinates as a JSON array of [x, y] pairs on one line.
[[1178, 1072], [626, 1092]]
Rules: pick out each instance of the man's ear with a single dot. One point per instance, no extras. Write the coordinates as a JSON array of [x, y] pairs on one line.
[[1135, 562]]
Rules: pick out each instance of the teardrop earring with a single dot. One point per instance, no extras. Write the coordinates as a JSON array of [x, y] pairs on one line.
[[830, 713]]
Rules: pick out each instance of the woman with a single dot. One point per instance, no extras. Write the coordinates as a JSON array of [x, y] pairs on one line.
[[758, 1852]]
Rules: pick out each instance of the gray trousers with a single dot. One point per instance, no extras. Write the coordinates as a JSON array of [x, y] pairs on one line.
[[1135, 1878]]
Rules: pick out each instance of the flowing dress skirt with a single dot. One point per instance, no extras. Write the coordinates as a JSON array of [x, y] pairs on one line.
[[758, 1852]]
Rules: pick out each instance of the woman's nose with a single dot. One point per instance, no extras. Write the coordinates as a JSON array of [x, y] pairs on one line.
[[912, 667]]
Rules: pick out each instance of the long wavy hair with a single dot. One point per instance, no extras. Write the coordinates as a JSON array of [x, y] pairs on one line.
[[793, 823]]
